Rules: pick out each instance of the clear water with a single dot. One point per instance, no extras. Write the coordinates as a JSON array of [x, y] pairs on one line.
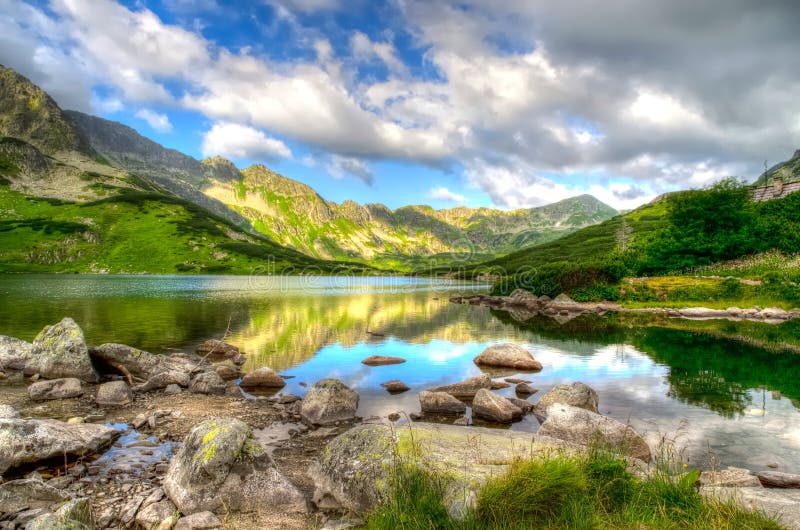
[[723, 400]]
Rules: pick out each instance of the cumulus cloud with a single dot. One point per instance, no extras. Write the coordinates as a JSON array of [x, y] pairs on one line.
[[443, 194], [156, 121], [239, 141], [529, 97]]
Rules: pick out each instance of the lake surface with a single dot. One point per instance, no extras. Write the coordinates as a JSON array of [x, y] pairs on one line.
[[724, 401]]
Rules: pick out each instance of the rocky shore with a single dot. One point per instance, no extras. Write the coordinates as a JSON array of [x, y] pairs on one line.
[[115, 437], [523, 305]]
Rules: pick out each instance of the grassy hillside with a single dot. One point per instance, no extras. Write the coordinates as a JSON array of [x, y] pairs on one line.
[[134, 232]]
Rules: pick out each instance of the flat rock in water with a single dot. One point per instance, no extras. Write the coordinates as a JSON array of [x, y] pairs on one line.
[[329, 401], [575, 394], [467, 388], [114, 393], [525, 406], [352, 472], [65, 388], [14, 353], [395, 386], [221, 467], [491, 407], [440, 403], [60, 351], [25, 442], [516, 380], [381, 360], [581, 426], [262, 378], [782, 504], [776, 479], [508, 356]]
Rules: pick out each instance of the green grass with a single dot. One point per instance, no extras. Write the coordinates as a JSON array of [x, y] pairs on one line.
[[136, 232], [591, 491]]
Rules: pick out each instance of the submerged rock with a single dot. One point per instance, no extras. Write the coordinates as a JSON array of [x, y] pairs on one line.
[[381, 360], [66, 388], [576, 394], [525, 389], [329, 401], [61, 351], [352, 473], [440, 403], [467, 388], [262, 378], [220, 467], [508, 356], [581, 426], [491, 407], [30, 441], [115, 393]]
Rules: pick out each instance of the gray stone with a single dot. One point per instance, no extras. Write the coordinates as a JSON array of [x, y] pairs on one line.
[[732, 477], [776, 479], [199, 521], [151, 516], [7, 411], [525, 406], [75, 514], [55, 389], [221, 467], [575, 394], [581, 426], [440, 403], [143, 365], [329, 401], [467, 388], [30, 441], [14, 353], [165, 379], [782, 504], [262, 378], [228, 371], [61, 351], [508, 355], [172, 390], [26, 493], [208, 383], [115, 393], [491, 407], [352, 473]]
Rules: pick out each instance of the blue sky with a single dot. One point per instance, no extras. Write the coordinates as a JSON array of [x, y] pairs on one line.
[[484, 103]]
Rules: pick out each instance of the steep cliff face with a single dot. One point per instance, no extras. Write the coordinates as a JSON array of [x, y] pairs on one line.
[[788, 171], [28, 113]]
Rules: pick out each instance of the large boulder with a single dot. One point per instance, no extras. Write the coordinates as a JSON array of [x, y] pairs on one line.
[[353, 469], [142, 366], [508, 355], [329, 401], [467, 388], [14, 353], [491, 407], [25, 442], [262, 378], [61, 351], [66, 388], [114, 394], [220, 467], [29, 493], [440, 403], [584, 427], [575, 394]]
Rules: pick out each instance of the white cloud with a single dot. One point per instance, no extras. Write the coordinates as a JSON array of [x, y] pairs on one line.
[[339, 166], [239, 141], [443, 194], [306, 6], [365, 49], [156, 121]]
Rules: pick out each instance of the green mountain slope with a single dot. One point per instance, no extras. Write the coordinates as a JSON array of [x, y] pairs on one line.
[[788, 171], [294, 214]]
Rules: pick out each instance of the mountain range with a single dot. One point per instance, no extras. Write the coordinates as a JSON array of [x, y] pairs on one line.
[[50, 153]]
